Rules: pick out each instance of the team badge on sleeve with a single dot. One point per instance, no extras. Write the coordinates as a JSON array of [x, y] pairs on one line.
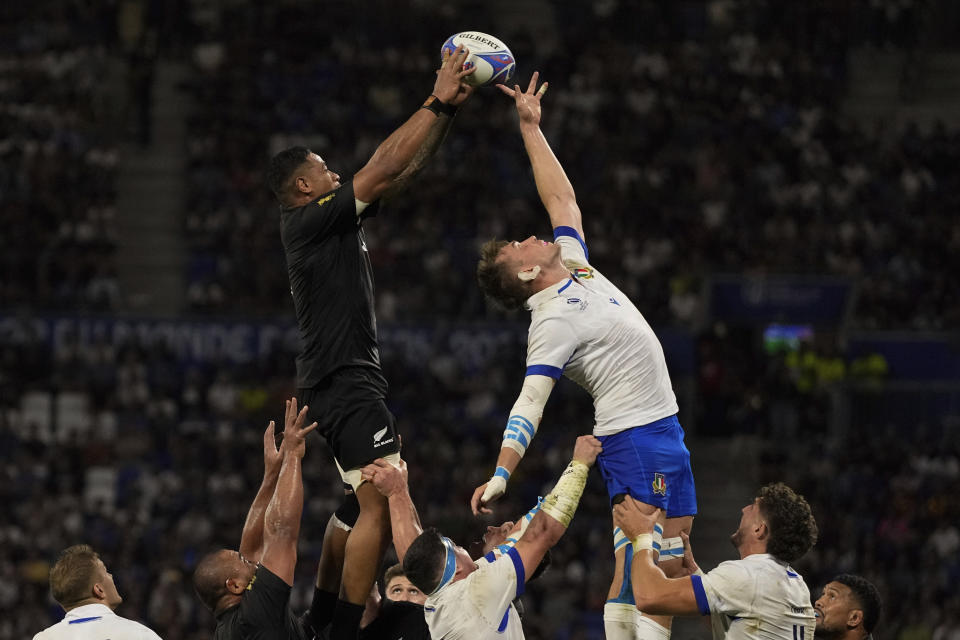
[[582, 274], [659, 484]]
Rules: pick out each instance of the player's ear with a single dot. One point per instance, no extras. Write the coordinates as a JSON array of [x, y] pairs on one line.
[[529, 274], [233, 586], [854, 618], [762, 530], [300, 182], [98, 591]]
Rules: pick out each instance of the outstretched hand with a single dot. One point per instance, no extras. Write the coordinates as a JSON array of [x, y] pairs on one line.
[[465, 90], [527, 102], [449, 87], [272, 456], [294, 433]]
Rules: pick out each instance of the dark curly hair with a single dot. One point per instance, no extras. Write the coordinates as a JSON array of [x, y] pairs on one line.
[[282, 166], [793, 531], [495, 282], [866, 596], [423, 563]]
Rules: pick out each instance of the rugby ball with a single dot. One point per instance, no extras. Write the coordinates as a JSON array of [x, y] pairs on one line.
[[493, 60]]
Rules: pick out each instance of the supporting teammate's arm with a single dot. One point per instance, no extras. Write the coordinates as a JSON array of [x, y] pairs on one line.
[[406, 150], [653, 591], [551, 521], [554, 187], [251, 540], [391, 482], [281, 526]]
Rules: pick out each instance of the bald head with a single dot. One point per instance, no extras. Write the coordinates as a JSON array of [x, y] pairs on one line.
[[221, 574]]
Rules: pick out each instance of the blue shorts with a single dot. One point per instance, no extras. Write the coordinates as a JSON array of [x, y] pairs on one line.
[[652, 464]]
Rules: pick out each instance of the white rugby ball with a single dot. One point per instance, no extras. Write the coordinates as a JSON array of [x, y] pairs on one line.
[[492, 58]]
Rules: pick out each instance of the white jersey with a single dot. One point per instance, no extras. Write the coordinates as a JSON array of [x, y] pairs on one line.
[[479, 607], [588, 330], [757, 598], [96, 622]]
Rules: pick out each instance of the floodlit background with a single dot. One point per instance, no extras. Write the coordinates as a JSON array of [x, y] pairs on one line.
[[775, 185]]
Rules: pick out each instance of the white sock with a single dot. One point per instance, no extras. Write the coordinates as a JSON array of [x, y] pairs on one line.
[[618, 621]]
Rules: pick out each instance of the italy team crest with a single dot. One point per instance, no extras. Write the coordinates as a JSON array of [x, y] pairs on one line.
[[583, 274], [659, 484]]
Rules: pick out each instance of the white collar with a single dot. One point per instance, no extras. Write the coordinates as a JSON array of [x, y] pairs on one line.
[[90, 611], [549, 293]]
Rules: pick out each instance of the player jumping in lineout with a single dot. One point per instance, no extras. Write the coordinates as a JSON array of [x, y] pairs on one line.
[[584, 327]]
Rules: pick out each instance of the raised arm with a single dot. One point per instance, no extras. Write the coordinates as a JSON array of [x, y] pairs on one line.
[[554, 187], [251, 540], [391, 481], [281, 526], [653, 591], [403, 154], [551, 521]]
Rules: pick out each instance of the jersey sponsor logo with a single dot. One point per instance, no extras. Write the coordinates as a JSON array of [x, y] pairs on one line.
[[583, 274], [250, 584], [614, 301], [659, 484], [323, 201]]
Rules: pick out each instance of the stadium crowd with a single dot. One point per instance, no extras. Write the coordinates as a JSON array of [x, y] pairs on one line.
[[701, 139], [159, 460], [58, 164], [722, 132]]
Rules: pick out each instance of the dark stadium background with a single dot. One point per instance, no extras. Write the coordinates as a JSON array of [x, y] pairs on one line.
[[773, 183]]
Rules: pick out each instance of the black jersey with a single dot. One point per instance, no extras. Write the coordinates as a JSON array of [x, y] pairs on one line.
[[263, 613], [331, 281], [398, 621]]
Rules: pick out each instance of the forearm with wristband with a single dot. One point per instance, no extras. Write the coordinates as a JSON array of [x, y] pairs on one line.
[[521, 428], [438, 107]]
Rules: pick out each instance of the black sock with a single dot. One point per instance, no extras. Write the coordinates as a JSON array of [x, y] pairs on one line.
[[346, 620], [321, 609]]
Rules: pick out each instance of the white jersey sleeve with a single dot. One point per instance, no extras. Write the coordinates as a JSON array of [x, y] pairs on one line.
[[728, 589], [756, 598], [550, 345], [573, 250]]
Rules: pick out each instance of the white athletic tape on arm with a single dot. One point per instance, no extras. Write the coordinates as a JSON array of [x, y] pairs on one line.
[[561, 503], [643, 542], [527, 412]]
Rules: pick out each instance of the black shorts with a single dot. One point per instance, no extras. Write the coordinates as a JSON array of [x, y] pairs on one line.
[[352, 416]]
